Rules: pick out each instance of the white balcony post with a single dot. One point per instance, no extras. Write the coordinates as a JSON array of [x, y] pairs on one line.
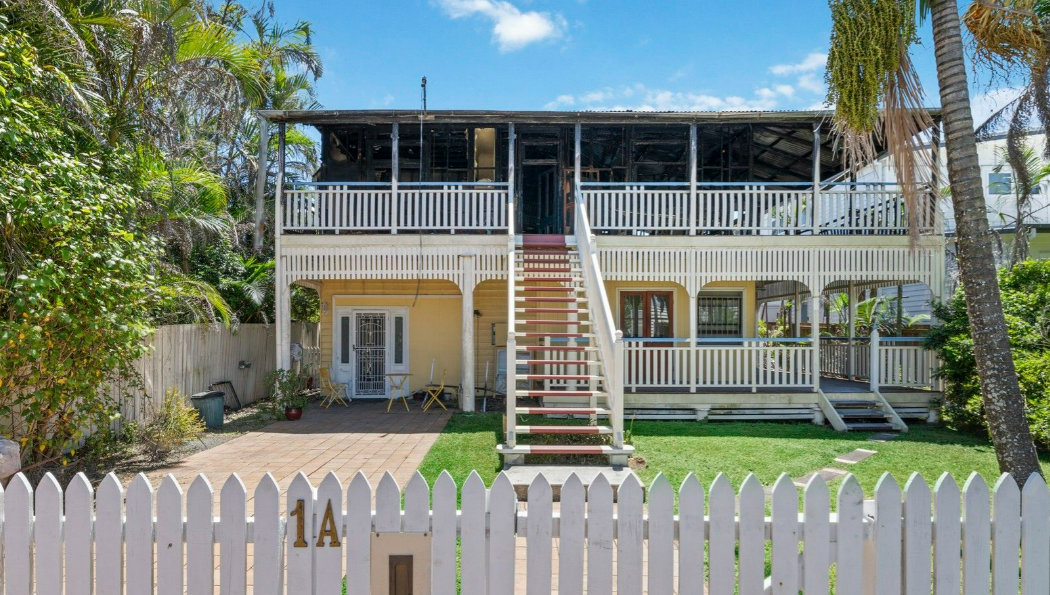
[[852, 311], [466, 382], [260, 182], [577, 160], [510, 184], [395, 169], [282, 289], [814, 330], [616, 392], [813, 211], [693, 354], [873, 362], [694, 208], [512, 344]]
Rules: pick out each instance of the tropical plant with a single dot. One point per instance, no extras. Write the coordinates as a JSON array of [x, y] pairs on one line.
[[874, 88], [1035, 170], [287, 387]]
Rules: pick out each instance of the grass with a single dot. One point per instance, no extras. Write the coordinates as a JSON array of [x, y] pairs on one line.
[[736, 449]]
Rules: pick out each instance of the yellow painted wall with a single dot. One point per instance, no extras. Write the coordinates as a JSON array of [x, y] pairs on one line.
[[490, 298], [434, 329]]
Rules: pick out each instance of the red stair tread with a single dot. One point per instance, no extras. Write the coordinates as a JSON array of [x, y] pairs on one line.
[[564, 430], [549, 449], [537, 239], [551, 348], [557, 393]]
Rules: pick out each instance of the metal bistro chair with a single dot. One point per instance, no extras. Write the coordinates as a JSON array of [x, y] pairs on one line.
[[334, 391], [434, 392]]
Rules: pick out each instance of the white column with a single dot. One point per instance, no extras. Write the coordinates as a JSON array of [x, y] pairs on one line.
[[814, 328], [873, 363], [260, 182], [694, 208], [284, 322], [282, 291], [466, 382], [813, 211], [395, 169], [851, 364], [694, 379]]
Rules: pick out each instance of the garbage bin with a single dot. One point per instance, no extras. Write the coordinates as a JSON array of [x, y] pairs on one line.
[[210, 405]]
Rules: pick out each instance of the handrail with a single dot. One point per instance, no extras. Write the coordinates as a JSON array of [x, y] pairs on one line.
[[400, 183], [735, 184], [510, 419], [609, 339]]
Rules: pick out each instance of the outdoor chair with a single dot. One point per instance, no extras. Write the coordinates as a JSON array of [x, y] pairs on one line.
[[434, 392], [333, 391]]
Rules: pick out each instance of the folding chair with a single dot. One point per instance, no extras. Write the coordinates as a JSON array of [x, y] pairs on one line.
[[334, 390], [434, 391]]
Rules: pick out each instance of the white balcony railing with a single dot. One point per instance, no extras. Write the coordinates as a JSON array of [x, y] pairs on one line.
[[723, 363], [902, 361], [754, 208], [417, 206]]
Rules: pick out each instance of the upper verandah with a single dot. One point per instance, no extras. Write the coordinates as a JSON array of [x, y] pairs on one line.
[[763, 173]]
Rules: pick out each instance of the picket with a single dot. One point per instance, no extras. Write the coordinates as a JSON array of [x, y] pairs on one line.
[[600, 537], [1006, 536], [49, 536], [80, 567], [629, 537], [691, 537], [785, 537], [538, 558], [268, 546], [358, 535], [947, 533], [661, 536], [571, 535], [503, 512], [976, 537], [109, 537], [1035, 547], [917, 537], [443, 544], [722, 537], [328, 559], [48, 530], [473, 539], [138, 535], [18, 536]]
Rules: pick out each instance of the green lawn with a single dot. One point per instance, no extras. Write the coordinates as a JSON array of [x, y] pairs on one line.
[[736, 449]]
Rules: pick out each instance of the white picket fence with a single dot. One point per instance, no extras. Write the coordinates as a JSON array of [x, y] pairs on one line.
[[145, 541]]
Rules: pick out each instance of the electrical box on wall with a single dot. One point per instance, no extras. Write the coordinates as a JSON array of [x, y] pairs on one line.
[[400, 564]]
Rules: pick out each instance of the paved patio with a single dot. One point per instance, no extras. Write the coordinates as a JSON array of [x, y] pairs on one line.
[[359, 437]]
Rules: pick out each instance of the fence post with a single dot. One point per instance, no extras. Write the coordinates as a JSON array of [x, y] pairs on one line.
[[873, 361]]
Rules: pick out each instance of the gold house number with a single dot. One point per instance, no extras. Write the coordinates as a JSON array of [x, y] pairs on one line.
[[329, 528]]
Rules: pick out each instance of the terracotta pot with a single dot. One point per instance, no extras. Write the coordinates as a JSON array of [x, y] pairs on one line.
[[292, 413]]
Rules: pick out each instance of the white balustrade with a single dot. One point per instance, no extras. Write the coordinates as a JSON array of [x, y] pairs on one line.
[[750, 364]]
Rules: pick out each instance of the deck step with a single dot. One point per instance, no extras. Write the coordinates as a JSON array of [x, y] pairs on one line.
[[560, 362], [562, 259], [547, 288], [540, 335], [560, 377], [568, 449], [563, 429], [871, 427], [562, 411], [863, 414], [560, 393], [550, 300], [563, 348], [848, 404], [542, 322], [551, 310]]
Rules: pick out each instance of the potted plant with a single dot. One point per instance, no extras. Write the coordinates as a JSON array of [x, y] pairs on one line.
[[289, 391]]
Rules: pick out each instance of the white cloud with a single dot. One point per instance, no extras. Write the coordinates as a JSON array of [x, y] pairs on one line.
[[512, 29], [811, 82], [812, 62], [982, 106]]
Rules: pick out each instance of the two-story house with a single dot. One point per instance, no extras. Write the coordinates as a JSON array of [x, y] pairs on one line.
[[595, 263]]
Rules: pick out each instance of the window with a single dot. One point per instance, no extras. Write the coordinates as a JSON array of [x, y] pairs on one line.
[[1001, 183], [344, 339], [647, 314], [399, 340], [719, 314]]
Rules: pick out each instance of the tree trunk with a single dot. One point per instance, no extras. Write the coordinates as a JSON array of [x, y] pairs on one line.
[[1004, 406]]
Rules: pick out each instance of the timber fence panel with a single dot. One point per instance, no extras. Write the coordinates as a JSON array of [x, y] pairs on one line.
[[888, 546]]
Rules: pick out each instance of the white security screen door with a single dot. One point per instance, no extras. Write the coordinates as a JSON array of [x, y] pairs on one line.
[[370, 354]]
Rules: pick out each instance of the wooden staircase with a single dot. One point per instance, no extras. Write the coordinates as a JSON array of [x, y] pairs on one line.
[[553, 335], [862, 412]]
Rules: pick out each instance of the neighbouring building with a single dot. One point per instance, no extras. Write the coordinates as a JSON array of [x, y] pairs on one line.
[[607, 265]]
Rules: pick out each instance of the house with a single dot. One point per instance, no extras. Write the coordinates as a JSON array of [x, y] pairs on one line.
[[605, 264]]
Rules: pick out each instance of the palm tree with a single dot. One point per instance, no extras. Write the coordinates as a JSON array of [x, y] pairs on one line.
[[1003, 402], [877, 95]]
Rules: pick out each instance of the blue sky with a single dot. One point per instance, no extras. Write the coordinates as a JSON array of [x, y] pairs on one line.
[[580, 54]]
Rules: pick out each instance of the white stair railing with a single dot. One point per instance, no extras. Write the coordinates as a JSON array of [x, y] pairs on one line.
[[609, 340]]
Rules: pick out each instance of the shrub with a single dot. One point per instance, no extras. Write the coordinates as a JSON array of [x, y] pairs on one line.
[[170, 425], [288, 389], [1026, 303], [74, 267]]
